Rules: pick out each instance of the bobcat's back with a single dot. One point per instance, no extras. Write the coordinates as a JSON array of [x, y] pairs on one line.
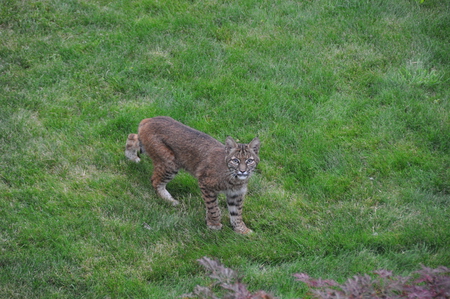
[[164, 138]]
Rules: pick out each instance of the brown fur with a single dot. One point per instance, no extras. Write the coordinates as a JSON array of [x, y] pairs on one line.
[[218, 168]]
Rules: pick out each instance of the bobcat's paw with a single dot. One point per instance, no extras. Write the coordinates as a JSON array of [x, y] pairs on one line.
[[215, 226], [164, 194], [132, 156], [243, 231]]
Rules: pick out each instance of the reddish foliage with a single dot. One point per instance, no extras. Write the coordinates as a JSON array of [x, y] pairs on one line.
[[423, 284], [227, 280]]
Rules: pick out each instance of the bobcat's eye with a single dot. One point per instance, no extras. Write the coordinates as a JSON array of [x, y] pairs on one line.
[[235, 160], [249, 161]]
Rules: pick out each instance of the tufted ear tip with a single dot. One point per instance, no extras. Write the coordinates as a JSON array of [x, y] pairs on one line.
[[255, 144], [230, 144]]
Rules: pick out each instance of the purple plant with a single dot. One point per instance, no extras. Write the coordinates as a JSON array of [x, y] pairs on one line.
[[423, 284], [228, 280]]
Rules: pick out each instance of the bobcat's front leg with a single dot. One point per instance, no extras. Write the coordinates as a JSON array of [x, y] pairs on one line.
[[213, 215], [235, 201]]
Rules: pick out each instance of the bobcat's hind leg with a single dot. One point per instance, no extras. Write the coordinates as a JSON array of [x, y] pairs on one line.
[[132, 148], [160, 178]]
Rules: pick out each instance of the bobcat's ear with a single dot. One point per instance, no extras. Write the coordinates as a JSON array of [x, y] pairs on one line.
[[255, 145], [230, 144]]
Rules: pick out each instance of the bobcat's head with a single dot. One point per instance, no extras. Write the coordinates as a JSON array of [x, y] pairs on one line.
[[242, 158]]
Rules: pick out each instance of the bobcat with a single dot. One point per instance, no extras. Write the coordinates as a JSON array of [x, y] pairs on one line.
[[218, 168]]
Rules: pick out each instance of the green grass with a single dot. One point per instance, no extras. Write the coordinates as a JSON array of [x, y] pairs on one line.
[[349, 98]]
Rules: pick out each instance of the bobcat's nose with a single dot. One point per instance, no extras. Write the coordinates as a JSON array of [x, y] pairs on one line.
[[242, 174]]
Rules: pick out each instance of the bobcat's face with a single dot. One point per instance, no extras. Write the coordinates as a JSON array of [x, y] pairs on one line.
[[242, 158]]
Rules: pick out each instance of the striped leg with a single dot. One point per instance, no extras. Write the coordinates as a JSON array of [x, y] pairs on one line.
[[160, 178], [213, 215], [235, 201]]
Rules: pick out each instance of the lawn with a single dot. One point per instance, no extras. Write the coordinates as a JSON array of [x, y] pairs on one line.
[[350, 99]]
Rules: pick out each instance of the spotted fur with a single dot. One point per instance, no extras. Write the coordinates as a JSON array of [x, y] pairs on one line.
[[218, 168]]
